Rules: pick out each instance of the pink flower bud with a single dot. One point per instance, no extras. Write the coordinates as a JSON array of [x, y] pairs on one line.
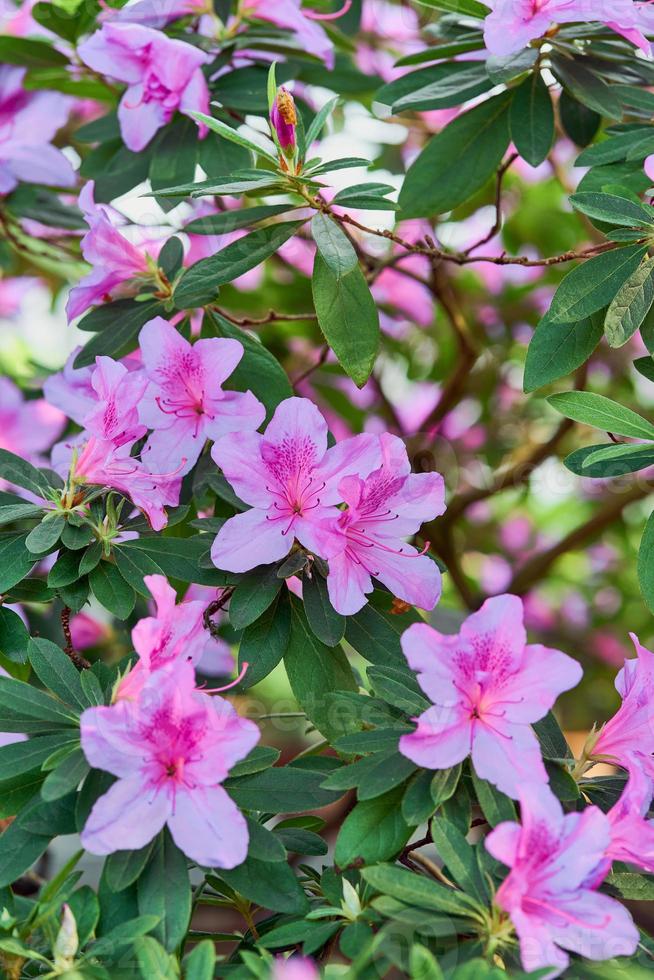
[[283, 118]]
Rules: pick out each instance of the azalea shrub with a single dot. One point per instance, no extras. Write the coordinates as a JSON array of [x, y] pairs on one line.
[[325, 453]]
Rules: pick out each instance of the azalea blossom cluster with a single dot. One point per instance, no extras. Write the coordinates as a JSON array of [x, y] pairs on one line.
[[488, 687], [169, 744]]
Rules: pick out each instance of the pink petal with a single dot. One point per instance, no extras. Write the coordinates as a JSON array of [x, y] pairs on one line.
[[239, 457], [441, 740], [209, 828], [356, 456], [507, 755], [429, 653], [127, 817], [297, 422], [235, 411], [348, 583], [248, 540]]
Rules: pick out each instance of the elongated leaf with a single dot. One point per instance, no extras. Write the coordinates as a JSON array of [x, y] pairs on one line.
[[532, 120], [111, 589], [602, 413], [457, 162], [164, 891], [348, 317], [630, 305], [253, 595], [227, 221], [612, 209], [199, 284], [460, 858], [646, 563], [24, 705], [201, 961], [470, 8], [374, 830], [122, 336], [14, 638], [222, 129], [594, 283], [280, 789], [417, 890], [16, 470], [464, 81], [325, 622], [265, 641], [333, 245], [271, 884], [587, 87], [557, 349], [56, 672]]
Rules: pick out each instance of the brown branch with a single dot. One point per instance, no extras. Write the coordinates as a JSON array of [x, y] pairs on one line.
[[271, 317], [324, 352], [497, 225], [215, 606], [534, 569], [78, 660]]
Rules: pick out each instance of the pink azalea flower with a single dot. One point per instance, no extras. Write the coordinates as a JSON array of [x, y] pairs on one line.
[[184, 402], [628, 737], [120, 269], [549, 892], [157, 13], [217, 657], [87, 631], [488, 685], [174, 634], [27, 428], [512, 24], [632, 835], [13, 291], [289, 15], [171, 748], [290, 479], [163, 76], [114, 416], [384, 508], [28, 122], [101, 463], [294, 968]]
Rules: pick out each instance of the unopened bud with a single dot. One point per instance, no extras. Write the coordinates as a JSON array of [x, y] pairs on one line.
[[66, 943], [283, 118]]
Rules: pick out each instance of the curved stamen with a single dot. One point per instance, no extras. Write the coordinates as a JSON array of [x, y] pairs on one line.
[[237, 680], [314, 15]]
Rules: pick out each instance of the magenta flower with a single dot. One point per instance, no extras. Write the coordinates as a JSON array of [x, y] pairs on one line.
[[101, 463], [628, 737], [71, 390], [174, 634], [488, 686], [184, 402], [28, 122], [512, 24], [171, 749], [120, 269], [114, 417], [632, 835], [549, 892], [383, 509], [290, 479], [163, 76], [289, 15]]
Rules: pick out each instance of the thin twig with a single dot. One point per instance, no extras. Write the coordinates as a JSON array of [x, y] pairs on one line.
[[78, 660]]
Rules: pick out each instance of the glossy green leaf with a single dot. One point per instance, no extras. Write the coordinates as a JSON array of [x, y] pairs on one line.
[[594, 283], [532, 120], [630, 305], [602, 413]]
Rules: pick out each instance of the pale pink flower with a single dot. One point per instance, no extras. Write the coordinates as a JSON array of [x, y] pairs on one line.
[[27, 427], [71, 390], [87, 631], [556, 862], [120, 269], [174, 634], [290, 479], [294, 968], [628, 737], [289, 15], [28, 123], [156, 13], [184, 402], [632, 835], [171, 748], [13, 291], [118, 392], [162, 74], [488, 685], [385, 507]]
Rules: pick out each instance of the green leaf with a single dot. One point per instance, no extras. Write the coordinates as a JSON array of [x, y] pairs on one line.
[[586, 87], [630, 305], [375, 633], [24, 708], [634, 887], [111, 590], [313, 670], [14, 637], [43, 538], [179, 557], [470, 8], [418, 802], [418, 890], [602, 413], [646, 563], [15, 560], [594, 283], [455, 83], [66, 777], [374, 830], [123, 868], [496, 806], [333, 245], [606, 460], [201, 961], [18, 511], [286, 789], [579, 122], [56, 672], [612, 209], [174, 158], [164, 890], [65, 570], [532, 120], [317, 123], [348, 317], [122, 335], [458, 161], [301, 841], [459, 856], [385, 773], [272, 885], [226, 221], [264, 845], [16, 470], [253, 595], [29, 52], [153, 960], [222, 129], [325, 622], [298, 931], [557, 349], [199, 284], [264, 642], [258, 371], [261, 757], [399, 688], [552, 740], [133, 565], [444, 784]]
